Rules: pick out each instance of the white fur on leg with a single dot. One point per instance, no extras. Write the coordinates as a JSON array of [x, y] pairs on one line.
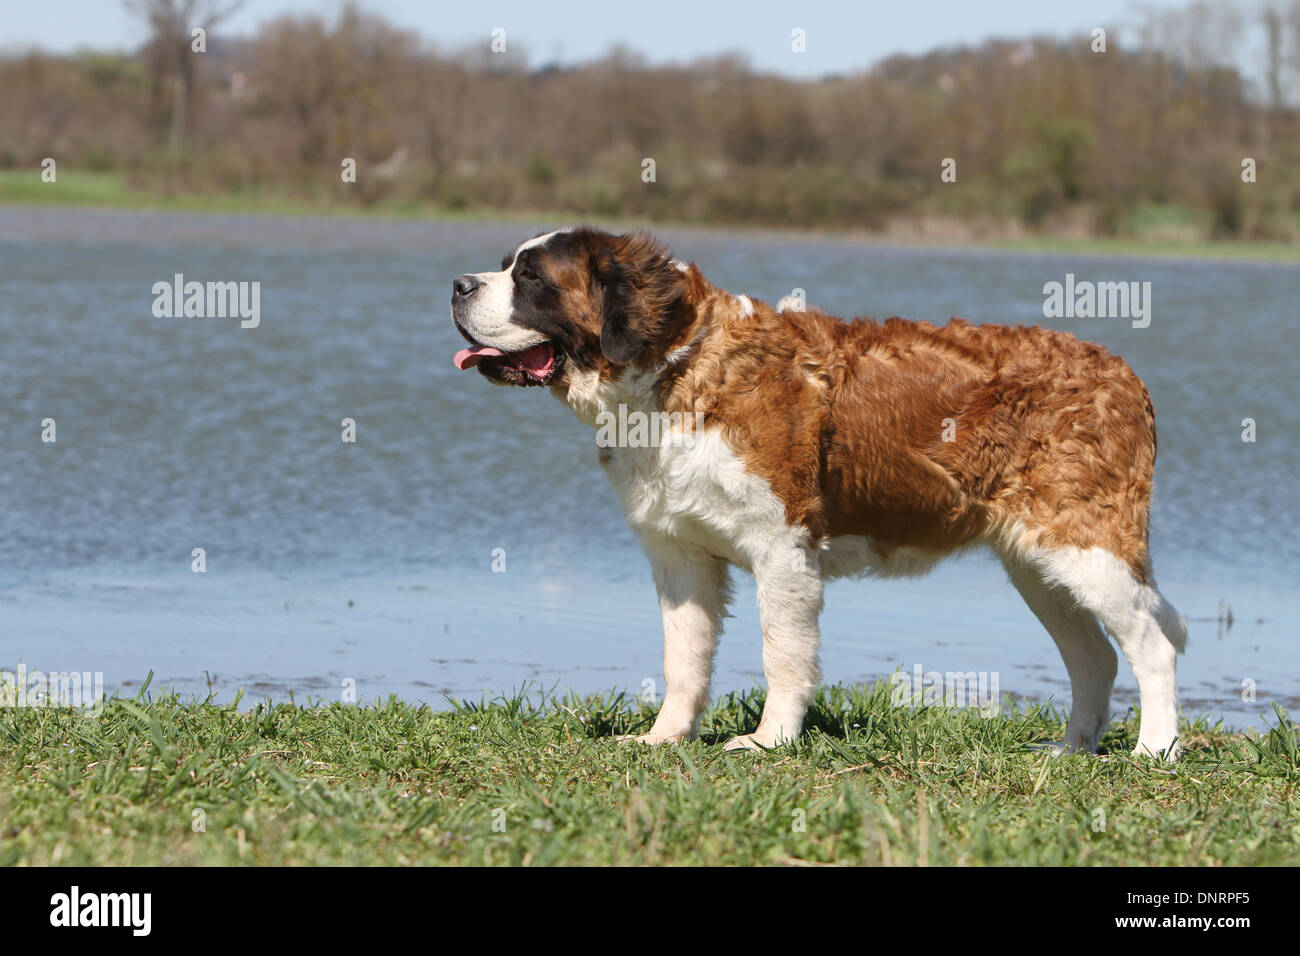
[[1089, 659], [789, 603], [693, 594], [1132, 612]]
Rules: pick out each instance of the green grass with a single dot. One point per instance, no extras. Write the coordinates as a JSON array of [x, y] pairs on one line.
[[519, 781], [111, 190], [71, 188]]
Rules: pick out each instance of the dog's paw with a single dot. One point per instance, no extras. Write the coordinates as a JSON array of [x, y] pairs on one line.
[[1155, 752], [651, 739], [747, 742], [1060, 748], [1055, 749]]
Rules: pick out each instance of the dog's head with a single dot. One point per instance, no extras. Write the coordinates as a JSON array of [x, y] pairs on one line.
[[576, 300]]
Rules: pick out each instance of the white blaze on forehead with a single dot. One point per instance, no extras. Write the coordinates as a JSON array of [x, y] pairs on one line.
[[487, 316], [533, 244]]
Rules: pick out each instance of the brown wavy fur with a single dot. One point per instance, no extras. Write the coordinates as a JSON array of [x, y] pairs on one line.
[[1053, 438]]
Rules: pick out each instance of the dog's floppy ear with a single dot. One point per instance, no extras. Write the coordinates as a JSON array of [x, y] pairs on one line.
[[641, 293]]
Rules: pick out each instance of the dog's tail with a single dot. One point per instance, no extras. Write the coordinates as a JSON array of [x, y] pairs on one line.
[[1172, 624]]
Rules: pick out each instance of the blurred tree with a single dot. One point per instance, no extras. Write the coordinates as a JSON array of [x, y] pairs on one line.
[[1148, 136], [171, 24]]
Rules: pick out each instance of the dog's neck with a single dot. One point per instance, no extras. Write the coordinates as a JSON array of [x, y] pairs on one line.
[[588, 393], [636, 386]]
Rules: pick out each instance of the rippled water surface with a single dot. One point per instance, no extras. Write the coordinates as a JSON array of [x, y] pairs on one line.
[[374, 561]]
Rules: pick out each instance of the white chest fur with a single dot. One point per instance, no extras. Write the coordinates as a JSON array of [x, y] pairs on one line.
[[687, 485], [697, 491]]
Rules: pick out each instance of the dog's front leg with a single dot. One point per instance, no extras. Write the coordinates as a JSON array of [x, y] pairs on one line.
[[693, 593], [789, 603]]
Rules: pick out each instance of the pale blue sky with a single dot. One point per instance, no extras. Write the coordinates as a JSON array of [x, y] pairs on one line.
[[841, 36]]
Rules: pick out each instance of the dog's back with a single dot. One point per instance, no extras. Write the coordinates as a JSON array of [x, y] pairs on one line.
[[925, 436]]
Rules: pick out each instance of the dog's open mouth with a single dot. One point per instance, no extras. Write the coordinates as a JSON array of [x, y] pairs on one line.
[[535, 366]]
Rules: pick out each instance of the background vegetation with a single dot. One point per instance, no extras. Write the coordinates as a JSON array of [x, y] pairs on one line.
[[1146, 139]]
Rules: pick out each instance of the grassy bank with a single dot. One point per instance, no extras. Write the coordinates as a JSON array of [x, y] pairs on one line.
[[514, 781], [110, 190]]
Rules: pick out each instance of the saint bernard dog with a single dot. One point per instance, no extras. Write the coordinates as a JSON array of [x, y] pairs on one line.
[[820, 447]]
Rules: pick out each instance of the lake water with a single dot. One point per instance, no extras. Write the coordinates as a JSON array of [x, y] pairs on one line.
[[372, 562]]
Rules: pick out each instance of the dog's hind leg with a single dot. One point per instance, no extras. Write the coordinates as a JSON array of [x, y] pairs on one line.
[[1089, 659], [1145, 626]]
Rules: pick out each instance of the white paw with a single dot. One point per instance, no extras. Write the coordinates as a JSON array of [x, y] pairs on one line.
[[1061, 747], [1056, 749], [1167, 753], [652, 738], [754, 741]]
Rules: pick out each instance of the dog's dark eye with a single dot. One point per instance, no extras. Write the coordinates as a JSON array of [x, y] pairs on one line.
[[529, 274]]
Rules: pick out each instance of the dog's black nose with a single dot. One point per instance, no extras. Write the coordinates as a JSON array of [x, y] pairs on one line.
[[463, 286]]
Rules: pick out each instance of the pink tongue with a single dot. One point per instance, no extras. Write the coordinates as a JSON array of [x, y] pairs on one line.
[[539, 360], [468, 358]]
